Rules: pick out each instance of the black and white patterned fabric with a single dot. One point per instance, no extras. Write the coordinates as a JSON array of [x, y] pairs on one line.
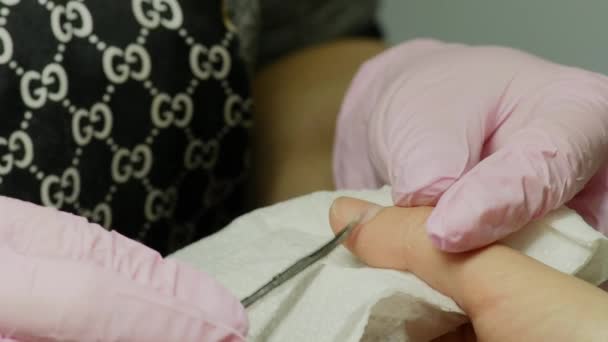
[[133, 113]]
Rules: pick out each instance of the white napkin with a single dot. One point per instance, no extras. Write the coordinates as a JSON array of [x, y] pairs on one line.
[[340, 299]]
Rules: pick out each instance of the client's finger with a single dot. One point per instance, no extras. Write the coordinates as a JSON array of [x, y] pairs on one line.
[[383, 243], [491, 284], [396, 238]]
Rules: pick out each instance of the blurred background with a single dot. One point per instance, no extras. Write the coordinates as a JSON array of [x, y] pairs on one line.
[[573, 32]]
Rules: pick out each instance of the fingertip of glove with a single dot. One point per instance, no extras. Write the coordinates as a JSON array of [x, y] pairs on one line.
[[450, 239], [452, 236], [447, 243]]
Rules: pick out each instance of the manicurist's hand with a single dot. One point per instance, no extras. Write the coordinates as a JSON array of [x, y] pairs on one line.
[[491, 136], [64, 279]]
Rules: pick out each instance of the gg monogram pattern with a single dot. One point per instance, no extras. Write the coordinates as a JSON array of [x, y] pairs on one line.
[[133, 113]]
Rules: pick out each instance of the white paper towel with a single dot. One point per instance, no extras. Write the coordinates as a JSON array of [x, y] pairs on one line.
[[340, 299]]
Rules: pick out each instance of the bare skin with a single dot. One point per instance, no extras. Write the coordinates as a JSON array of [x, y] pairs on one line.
[[297, 100], [508, 295]]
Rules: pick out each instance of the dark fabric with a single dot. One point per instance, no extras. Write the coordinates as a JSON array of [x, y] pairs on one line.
[[290, 25], [373, 30], [134, 114]]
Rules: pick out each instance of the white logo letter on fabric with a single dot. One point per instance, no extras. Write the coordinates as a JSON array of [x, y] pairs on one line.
[[63, 17], [153, 18], [53, 189], [181, 103], [53, 74], [120, 72], [6, 46], [102, 214], [18, 142], [234, 108], [9, 2], [159, 204], [205, 62], [127, 164], [200, 154], [96, 123]]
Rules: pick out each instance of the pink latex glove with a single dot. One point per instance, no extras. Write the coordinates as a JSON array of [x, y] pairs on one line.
[[63, 279], [492, 136]]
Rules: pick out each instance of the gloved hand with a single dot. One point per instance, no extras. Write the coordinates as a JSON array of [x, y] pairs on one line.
[[493, 137], [64, 279]]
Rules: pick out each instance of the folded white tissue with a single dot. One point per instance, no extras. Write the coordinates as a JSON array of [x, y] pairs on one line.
[[340, 299]]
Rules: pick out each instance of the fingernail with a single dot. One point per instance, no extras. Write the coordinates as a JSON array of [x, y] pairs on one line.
[[350, 209]]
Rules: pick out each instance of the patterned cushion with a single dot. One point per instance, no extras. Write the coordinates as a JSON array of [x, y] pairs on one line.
[[133, 113]]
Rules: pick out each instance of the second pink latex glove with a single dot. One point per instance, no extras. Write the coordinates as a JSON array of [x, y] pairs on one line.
[[63, 279], [492, 136]]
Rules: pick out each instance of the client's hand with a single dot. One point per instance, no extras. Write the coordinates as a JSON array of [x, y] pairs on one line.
[[507, 295], [493, 137], [63, 279]]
